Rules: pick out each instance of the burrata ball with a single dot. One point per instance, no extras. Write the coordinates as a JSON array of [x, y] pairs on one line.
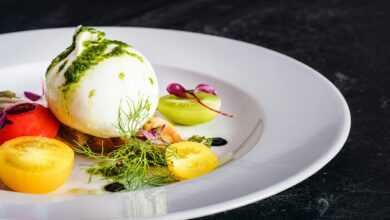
[[98, 84]]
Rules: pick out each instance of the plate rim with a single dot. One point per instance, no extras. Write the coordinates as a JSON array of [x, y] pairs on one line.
[[255, 196]]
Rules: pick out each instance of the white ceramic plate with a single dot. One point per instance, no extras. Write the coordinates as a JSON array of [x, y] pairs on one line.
[[289, 122]]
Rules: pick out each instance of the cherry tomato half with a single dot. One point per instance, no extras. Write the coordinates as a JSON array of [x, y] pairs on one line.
[[37, 122]]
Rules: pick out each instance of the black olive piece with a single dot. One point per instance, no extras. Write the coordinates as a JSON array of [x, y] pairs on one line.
[[114, 187], [218, 141]]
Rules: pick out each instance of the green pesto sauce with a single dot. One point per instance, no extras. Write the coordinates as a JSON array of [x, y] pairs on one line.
[[92, 55], [60, 57], [69, 49], [94, 52], [92, 93], [122, 75], [62, 66]]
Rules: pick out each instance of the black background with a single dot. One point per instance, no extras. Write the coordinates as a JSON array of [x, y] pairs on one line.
[[347, 41]]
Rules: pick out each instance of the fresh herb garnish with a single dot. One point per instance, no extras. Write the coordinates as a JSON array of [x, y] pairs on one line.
[[32, 96], [178, 90], [7, 94], [135, 162], [131, 117]]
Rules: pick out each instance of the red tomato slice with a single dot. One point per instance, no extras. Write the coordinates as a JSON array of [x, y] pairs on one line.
[[38, 122]]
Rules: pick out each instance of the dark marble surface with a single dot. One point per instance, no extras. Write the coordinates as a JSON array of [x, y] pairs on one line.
[[347, 41]]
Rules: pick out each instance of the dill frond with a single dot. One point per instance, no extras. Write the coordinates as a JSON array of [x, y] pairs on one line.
[[134, 162], [131, 117]]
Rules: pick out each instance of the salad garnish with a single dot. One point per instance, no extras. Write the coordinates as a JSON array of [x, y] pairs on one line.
[[10, 104], [32, 96], [179, 91], [205, 88], [131, 163], [7, 94]]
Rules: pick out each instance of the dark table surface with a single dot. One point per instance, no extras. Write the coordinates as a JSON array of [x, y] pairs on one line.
[[347, 41]]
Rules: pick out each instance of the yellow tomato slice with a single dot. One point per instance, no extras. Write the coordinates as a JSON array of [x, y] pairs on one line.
[[187, 160], [34, 164]]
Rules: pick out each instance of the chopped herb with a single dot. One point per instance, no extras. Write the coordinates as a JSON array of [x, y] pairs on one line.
[[7, 97], [7, 94]]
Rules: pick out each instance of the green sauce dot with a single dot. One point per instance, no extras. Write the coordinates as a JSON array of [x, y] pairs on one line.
[[151, 81], [122, 75], [91, 93]]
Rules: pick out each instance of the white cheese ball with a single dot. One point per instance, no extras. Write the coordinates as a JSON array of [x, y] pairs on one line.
[[92, 103]]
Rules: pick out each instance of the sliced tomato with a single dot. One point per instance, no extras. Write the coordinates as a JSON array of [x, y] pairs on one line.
[[35, 164], [187, 160], [37, 122]]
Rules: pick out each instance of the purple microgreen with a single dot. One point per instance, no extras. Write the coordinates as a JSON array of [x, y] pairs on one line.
[[32, 96], [20, 108], [208, 107], [205, 88], [177, 90]]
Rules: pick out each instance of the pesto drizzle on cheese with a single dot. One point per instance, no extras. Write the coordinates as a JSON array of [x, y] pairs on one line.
[[91, 50]]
